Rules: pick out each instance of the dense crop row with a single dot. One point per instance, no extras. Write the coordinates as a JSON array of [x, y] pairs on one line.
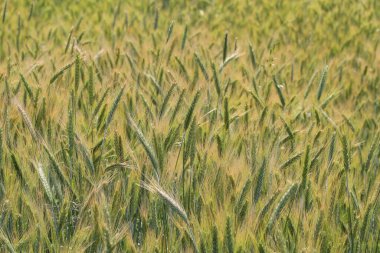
[[189, 126]]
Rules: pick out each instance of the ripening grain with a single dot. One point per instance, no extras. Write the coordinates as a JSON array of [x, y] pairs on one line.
[[189, 126]]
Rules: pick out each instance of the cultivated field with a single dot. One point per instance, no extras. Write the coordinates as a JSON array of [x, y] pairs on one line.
[[190, 126]]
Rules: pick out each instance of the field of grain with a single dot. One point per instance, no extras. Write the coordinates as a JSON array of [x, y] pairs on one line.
[[190, 126]]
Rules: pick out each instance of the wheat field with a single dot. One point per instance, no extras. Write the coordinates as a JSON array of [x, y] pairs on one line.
[[190, 126]]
